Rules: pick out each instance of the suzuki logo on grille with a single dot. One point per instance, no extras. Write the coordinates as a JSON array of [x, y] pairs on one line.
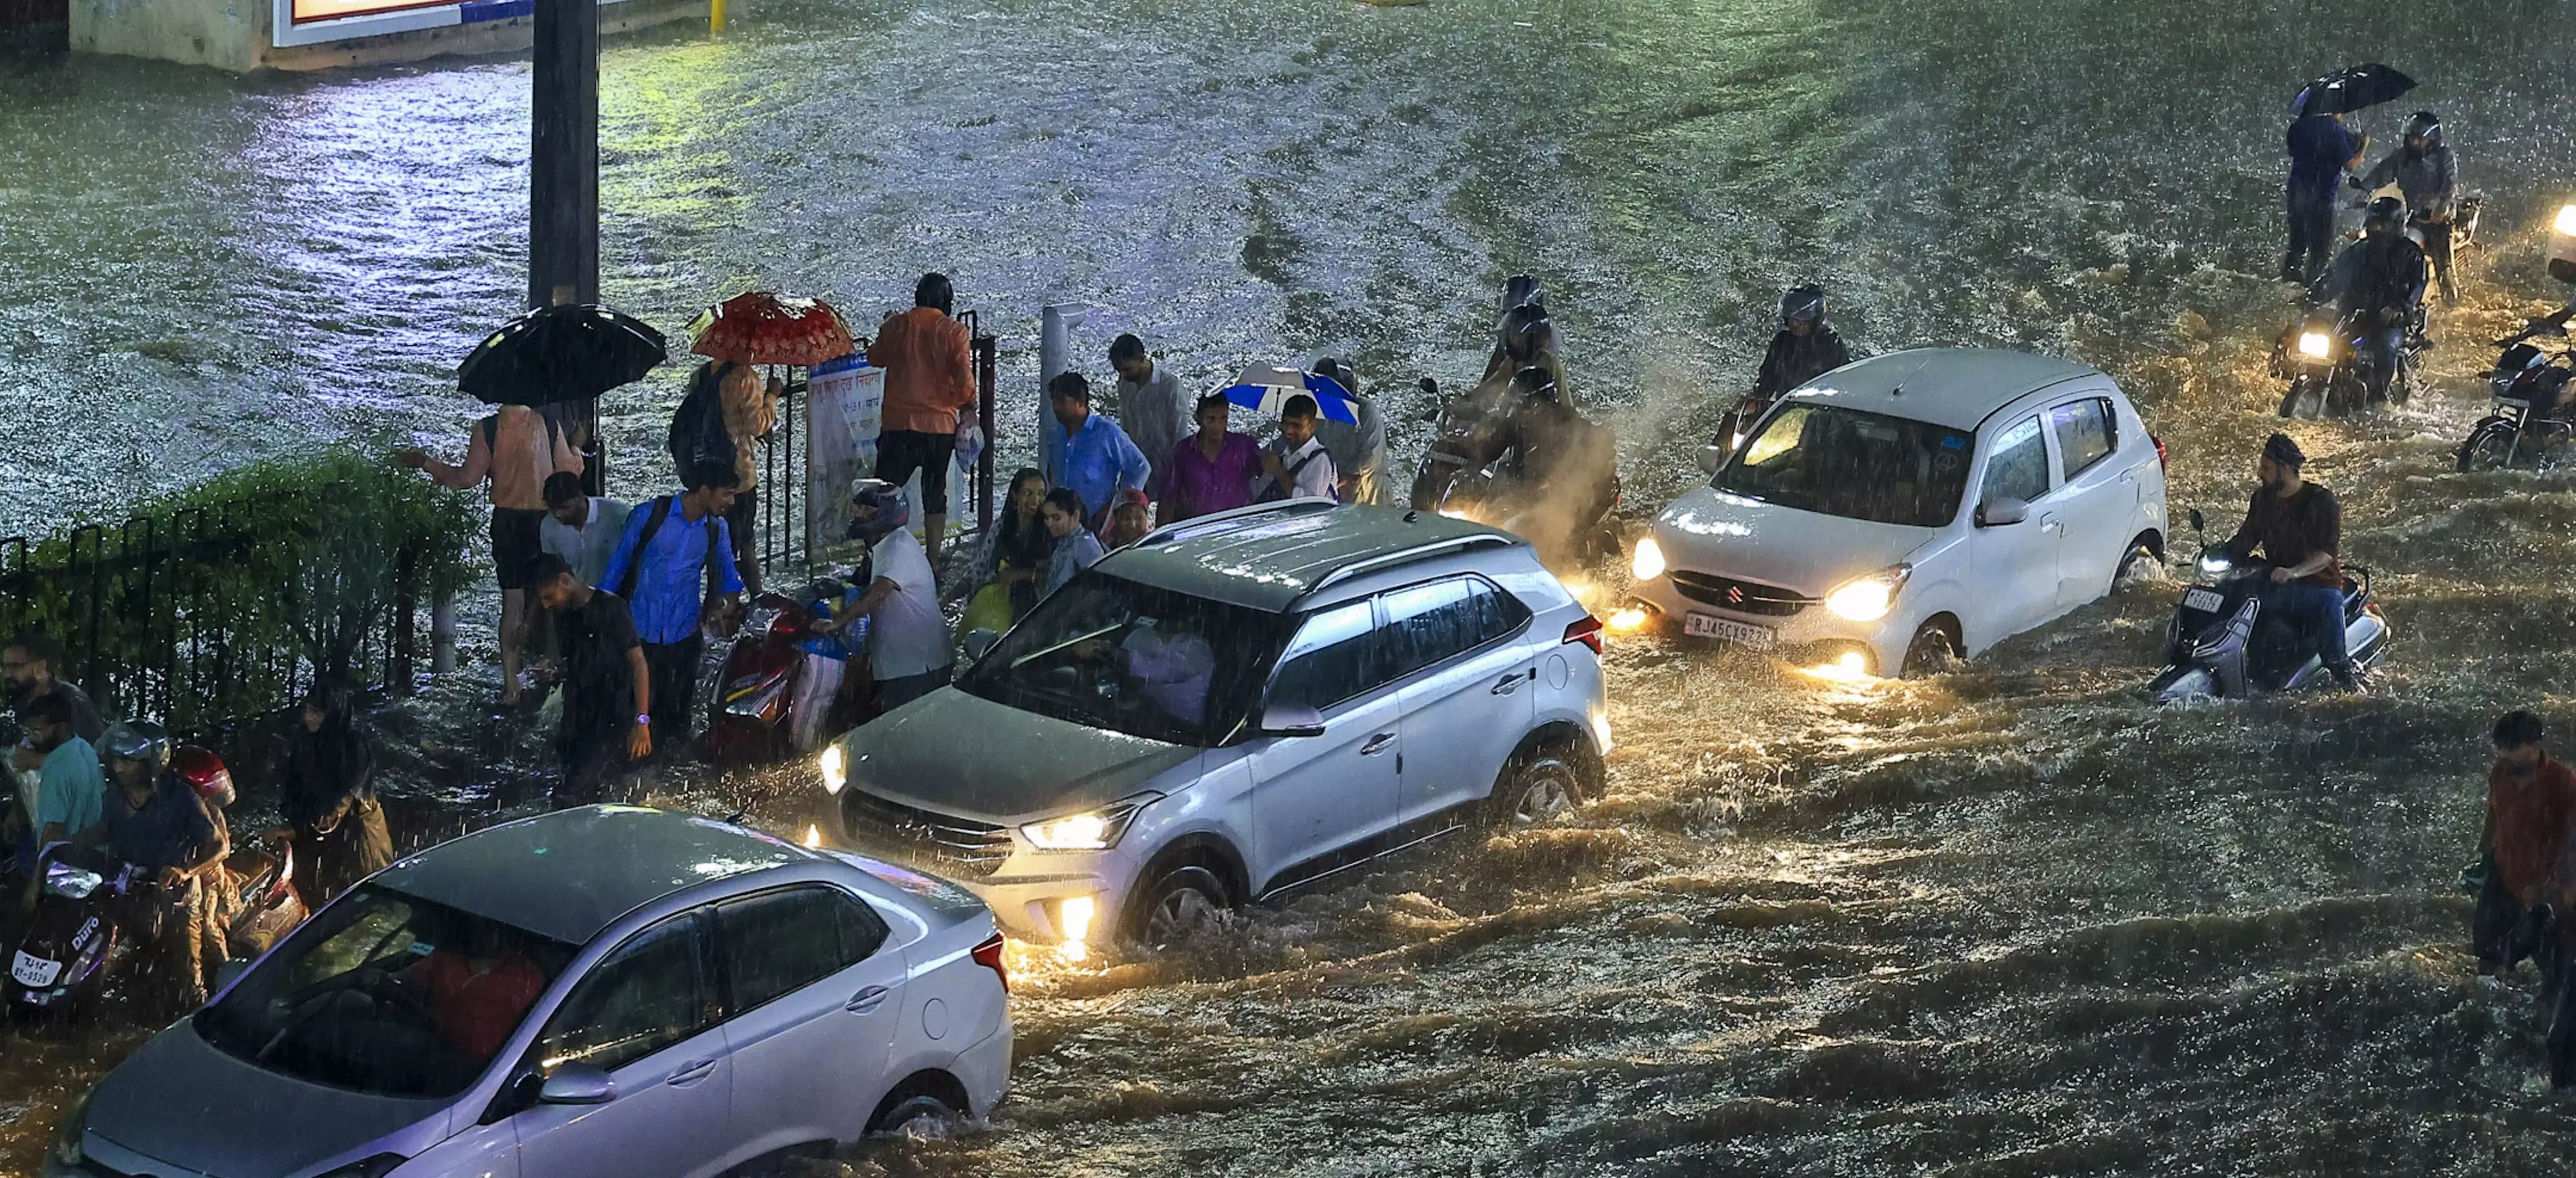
[[1735, 595]]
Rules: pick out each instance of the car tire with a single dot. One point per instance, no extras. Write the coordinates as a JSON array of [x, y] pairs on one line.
[[1185, 902], [905, 1109], [2127, 571], [1537, 786], [1931, 652]]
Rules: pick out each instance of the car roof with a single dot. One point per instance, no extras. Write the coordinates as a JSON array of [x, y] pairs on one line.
[[1954, 387], [569, 874], [1269, 556]]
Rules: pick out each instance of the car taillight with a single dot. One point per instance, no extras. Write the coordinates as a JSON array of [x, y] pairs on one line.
[[1586, 630], [989, 955], [2160, 451]]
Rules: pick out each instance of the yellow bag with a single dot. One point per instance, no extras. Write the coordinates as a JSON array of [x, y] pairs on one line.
[[989, 609]]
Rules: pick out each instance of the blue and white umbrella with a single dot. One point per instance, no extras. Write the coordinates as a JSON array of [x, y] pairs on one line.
[[1265, 388]]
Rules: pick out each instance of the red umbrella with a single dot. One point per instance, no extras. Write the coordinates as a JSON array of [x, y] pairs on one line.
[[759, 327]]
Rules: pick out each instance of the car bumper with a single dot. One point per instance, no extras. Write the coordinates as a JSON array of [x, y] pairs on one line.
[[1027, 890], [1813, 634]]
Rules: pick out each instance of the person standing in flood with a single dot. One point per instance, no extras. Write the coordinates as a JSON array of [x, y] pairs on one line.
[[2322, 150], [514, 450], [30, 661], [1210, 471], [930, 375], [1151, 406], [1358, 448], [661, 570], [607, 721], [327, 794], [2530, 832]]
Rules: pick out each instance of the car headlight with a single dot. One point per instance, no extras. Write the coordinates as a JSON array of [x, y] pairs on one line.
[[835, 765], [1869, 598], [2566, 222], [1648, 564], [1091, 830], [67, 1135], [2316, 345]]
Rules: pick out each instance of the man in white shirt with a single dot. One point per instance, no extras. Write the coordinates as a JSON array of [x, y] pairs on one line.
[[582, 529], [1151, 407], [1296, 465], [908, 640]]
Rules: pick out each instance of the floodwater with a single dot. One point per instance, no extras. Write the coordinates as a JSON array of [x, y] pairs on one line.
[[2002, 921]]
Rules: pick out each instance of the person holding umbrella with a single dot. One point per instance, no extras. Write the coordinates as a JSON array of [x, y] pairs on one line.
[[1297, 464], [2322, 151], [1358, 447], [513, 451]]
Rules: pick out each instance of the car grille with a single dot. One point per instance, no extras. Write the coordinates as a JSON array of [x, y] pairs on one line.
[[1741, 596], [957, 846]]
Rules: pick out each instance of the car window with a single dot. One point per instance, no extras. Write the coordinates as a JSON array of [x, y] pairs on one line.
[[1106, 652], [781, 941], [1854, 464], [648, 995], [1334, 657], [2018, 468], [2085, 434], [1427, 624]]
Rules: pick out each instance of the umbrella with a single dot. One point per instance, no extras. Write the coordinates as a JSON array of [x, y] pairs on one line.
[[759, 327], [562, 353], [2352, 88], [1264, 388]]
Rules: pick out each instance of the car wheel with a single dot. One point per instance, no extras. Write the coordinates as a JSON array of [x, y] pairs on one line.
[[1536, 787], [2140, 566], [1931, 652], [919, 1109], [1185, 903]]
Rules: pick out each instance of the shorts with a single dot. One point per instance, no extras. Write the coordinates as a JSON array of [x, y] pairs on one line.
[[514, 545], [900, 452]]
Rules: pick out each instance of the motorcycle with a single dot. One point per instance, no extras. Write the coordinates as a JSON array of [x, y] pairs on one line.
[[2221, 646], [753, 715], [74, 947], [1471, 432], [2329, 364], [2526, 415]]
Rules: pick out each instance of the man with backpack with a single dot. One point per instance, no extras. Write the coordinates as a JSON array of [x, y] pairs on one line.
[[726, 412], [673, 547], [515, 449]]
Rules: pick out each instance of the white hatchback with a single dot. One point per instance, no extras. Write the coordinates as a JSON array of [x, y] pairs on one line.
[[1909, 506]]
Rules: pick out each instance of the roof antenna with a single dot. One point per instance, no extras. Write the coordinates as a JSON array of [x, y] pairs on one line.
[[1412, 517]]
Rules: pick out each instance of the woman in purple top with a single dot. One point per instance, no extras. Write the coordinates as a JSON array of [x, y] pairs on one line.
[[1210, 471]]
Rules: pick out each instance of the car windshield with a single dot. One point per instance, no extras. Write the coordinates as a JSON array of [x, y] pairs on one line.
[[386, 994], [1858, 465], [1106, 652]]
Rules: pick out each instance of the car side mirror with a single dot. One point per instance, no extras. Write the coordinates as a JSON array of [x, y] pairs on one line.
[[979, 642], [2197, 523], [1291, 720], [2002, 512], [577, 1083], [1712, 458]]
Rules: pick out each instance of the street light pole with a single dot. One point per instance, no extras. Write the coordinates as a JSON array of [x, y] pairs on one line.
[[563, 183]]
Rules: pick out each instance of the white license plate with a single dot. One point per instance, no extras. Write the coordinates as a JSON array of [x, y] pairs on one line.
[[35, 973], [1729, 630], [2204, 600]]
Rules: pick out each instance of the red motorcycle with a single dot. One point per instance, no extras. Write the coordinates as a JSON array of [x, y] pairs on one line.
[[764, 692]]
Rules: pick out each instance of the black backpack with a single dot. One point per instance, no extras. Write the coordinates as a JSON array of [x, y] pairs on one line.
[[698, 434]]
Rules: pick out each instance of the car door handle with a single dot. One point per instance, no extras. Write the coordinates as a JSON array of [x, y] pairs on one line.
[[1377, 744], [1508, 684], [866, 1000], [692, 1072]]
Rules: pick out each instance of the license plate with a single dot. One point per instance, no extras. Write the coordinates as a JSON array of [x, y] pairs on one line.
[[35, 973], [2204, 600], [1729, 630]]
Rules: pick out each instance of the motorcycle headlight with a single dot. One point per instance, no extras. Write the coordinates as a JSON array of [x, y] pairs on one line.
[[1648, 563], [2215, 566], [2316, 345], [835, 766], [2566, 222], [69, 882], [67, 1151], [1869, 598], [1091, 830]]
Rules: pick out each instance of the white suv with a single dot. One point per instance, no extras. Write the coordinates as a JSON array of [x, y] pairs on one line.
[[1238, 704], [1911, 505]]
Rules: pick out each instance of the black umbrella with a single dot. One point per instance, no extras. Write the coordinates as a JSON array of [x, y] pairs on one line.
[[2352, 88], [565, 353]]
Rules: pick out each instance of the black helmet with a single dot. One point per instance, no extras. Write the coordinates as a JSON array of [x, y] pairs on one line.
[[1526, 332], [1522, 291], [1803, 304], [2425, 125], [137, 740], [2387, 213]]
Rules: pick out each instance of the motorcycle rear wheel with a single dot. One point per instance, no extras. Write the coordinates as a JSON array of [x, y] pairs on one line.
[[2490, 446]]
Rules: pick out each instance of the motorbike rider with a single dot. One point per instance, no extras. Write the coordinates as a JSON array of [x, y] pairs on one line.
[[2429, 175], [1557, 462], [1803, 349], [2299, 527], [2378, 282], [1526, 337], [154, 821]]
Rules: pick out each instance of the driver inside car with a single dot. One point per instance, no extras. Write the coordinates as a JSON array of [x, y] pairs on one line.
[[2299, 527], [476, 989]]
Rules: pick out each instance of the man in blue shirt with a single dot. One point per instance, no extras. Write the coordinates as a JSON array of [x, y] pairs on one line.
[[1088, 452], [2321, 150], [661, 567]]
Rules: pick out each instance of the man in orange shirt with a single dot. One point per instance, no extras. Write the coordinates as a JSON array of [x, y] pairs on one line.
[[2531, 815], [515, 450], [930, 375]]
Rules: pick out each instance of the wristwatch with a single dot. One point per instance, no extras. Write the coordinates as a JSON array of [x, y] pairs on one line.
[[646, 719]]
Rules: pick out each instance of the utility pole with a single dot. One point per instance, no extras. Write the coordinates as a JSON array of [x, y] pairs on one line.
[[563, 185]]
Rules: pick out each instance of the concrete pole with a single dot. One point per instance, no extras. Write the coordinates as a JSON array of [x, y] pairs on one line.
[[1055, 351], [563, 184]]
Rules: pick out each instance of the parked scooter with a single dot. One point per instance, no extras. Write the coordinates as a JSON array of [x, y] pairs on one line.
[[2221, 645], [754, 713], [2528, 416]]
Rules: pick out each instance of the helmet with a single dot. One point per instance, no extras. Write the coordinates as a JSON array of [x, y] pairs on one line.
[[2387, 213], [1526, 332], [892, 509], [2425, 125], [1803, 304], [1521, 290], [137, 740], [205, 773]]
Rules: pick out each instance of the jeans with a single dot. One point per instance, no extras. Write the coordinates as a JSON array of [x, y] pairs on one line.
[[595, 766], [2437, 247], [2503, 932], [2311, 217], [2383, 344], [2318, 611], [673, 667]]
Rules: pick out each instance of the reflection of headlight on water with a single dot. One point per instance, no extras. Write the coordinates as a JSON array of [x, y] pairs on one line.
[[2316, 345], [1851, 666], [1073, 919], [1628, 620], [813, 836]]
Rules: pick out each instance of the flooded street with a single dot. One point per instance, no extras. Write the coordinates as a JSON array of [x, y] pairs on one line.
[[2004, 921]]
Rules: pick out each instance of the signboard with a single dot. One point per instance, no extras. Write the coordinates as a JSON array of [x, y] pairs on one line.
[[845, 407], [315, 22]]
